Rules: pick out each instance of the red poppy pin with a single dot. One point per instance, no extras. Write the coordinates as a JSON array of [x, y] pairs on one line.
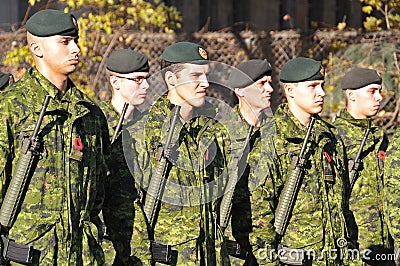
[[328, 157], [382, 155], [78, 144]]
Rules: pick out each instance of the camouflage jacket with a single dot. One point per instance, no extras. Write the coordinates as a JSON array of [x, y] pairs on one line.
[[123, 212], [366, 194], [241, 208], [316, 221], [188, 216], [59, 214], [241, 223], [391, 180]]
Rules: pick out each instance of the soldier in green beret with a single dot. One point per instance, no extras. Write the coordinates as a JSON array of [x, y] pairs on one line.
[[251, 82], [185, 228], [354, 125], [313, 224], [59, 215], [127, 72], [6, 79]]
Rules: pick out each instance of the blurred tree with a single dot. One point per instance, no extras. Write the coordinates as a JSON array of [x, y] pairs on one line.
[[384, 14]]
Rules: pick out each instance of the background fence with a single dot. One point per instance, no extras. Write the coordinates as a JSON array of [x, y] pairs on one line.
[[339, 50]]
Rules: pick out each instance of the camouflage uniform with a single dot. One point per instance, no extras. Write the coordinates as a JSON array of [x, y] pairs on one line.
[[366, 195], [240, 224], [123, 211], [316, 221], [59, 215], [391, 181], [188, 227]]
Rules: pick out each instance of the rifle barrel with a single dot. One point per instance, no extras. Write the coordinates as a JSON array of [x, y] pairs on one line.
[[119, 125]]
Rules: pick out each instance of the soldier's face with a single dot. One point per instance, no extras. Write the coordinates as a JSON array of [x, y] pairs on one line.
[[308, 96], [364, 102], [60, 54], [190, 84], [132, 87], [258, 94]]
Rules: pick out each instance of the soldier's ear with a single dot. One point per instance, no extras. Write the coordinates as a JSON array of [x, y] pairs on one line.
[[350, 95], [36, 49], [114, 81], [170, 79], [238, 92], [289, 89]]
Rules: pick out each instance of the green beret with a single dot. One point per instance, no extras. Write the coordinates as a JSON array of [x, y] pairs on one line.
[[4, 80], [302, 69], [360, 77], [51, 22], [248, 72], [127, 61], [185, 52]]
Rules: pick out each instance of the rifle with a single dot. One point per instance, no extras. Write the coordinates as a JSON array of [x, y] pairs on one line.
[[25, 167], [290, 189], [119, 125], [396, 255], [226, 202], [154, 191], [233, 247], [357, 162]]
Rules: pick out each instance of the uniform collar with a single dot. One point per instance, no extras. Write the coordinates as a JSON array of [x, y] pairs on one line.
[[363, 123], [72, 101]]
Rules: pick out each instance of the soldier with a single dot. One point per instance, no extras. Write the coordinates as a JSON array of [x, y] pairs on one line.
[[6, 79], [127, 72], [314, 222], [362, 87], [185, 229], [391, 181], [251, 81], [59, 212]]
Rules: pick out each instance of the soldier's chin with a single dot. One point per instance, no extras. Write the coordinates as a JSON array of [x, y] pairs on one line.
[[317, 110], [136, 102], [70, 70], [197, 102]]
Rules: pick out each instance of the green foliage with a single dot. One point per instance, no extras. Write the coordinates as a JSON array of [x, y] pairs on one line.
[[387, 11], [372, 24], [19, 56], [101, 22]]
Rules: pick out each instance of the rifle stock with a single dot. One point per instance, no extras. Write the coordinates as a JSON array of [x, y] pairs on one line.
[[154, 192], [289, 192]]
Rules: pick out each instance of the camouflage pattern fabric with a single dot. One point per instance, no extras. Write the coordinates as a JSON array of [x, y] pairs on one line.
[[316, 221], [59, 215], [190, 225], [123, 211], [369, 232], [391, 180], [240, 224]]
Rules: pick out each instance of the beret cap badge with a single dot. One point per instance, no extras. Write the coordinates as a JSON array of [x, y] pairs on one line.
[[74, 21], [322, 71], [203, 53]]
